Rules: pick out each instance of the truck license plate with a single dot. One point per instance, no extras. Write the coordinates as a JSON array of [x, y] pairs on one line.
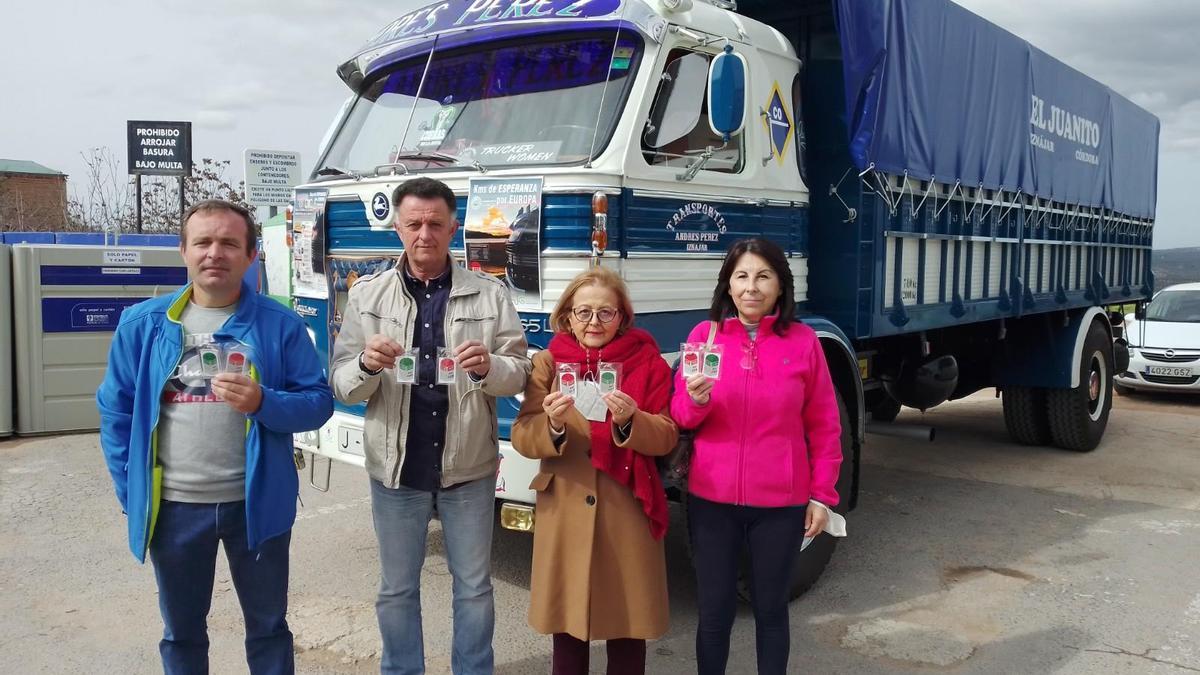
[[350, 440], [1169, 371]]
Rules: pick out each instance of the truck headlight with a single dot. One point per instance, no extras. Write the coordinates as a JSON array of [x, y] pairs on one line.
[[516, 517]]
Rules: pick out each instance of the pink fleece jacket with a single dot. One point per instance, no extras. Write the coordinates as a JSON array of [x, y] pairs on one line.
[[770, 433]]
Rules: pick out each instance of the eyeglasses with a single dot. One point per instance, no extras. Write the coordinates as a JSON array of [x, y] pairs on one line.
[[603, 315]]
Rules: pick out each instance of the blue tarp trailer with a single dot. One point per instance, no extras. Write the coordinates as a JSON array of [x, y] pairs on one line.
[[936, 92], [985, 179]]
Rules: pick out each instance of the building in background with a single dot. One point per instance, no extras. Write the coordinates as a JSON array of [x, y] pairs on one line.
[[32, 197]]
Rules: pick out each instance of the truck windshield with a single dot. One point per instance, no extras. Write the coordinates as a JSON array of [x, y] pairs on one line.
[[537, 101]]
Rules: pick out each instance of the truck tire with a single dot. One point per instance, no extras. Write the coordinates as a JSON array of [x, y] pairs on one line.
[[1079, 416], [885, 409], [808, 565], [1025, 415]]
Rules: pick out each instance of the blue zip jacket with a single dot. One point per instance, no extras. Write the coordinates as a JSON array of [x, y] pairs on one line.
[[145, 351]]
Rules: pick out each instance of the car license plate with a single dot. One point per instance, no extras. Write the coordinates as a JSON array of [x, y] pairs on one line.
[[1169, 371]]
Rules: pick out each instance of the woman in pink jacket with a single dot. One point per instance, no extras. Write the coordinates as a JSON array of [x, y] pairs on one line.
[[766, 453]]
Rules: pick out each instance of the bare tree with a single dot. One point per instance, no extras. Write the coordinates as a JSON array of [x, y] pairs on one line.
[[108, 201], [160, 196]]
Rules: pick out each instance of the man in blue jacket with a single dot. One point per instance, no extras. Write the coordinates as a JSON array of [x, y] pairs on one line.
[[204, 390]]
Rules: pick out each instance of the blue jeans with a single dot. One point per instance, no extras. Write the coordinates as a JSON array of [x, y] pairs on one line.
[[184, 553], [401, 521]]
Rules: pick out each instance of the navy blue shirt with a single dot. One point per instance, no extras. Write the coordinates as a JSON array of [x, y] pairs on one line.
[[430, 401]]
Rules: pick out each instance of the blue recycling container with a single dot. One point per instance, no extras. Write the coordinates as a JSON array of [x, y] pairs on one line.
[[79, 238], [11, 238]]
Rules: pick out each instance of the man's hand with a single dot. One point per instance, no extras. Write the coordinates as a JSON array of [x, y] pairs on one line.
[[239, 391], [474, 358], [381, 352]]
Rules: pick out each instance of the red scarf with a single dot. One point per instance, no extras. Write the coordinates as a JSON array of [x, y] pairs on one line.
[[646, 378]]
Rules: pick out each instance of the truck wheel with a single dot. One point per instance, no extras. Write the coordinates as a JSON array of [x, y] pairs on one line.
[[808, 565], [1025, 415], [885, 409], [1079, 416]]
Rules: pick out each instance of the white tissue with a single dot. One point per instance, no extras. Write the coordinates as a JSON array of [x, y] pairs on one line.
[[835, 524]]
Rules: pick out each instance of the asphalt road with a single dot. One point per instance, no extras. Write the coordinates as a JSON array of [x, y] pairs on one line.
[[966, 555]]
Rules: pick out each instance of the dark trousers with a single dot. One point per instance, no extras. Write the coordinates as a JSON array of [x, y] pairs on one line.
[[718, 533], [184, 553], [626, 656]]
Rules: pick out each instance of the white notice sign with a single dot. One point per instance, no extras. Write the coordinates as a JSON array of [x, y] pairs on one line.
[[270, 176], [122, 257]]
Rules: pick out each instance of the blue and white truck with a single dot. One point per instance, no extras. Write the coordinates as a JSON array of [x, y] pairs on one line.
[[958, 207]]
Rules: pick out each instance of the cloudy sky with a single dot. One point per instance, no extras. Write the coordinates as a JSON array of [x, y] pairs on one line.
[[261, 74]]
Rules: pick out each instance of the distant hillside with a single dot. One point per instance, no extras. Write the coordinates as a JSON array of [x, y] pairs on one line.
[[1176, 266]]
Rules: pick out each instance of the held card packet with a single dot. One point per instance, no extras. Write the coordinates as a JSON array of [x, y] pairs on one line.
[[236, 361], [712, 361], [690, 355], [446, 366], [608, 377], [213, 358], [210, 359], [406, 366], [568, 379]]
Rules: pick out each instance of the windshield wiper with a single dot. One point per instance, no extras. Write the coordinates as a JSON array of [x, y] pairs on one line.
[[333, 172], [429, 156], [433, 155]]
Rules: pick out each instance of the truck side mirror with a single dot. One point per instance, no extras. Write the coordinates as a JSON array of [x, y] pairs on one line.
[[1139, 311], [727, 93]]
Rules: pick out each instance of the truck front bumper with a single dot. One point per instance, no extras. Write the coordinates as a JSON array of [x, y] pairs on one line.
[[341, 439]]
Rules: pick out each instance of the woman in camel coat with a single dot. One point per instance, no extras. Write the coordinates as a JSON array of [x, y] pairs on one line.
[[599, 571]]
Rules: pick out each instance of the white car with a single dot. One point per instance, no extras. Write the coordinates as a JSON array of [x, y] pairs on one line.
[[1164, 346]]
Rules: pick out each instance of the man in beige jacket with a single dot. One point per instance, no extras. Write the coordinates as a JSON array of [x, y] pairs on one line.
[[429, 442]]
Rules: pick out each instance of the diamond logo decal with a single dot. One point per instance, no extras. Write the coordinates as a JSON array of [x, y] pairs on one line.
[[778, 122]]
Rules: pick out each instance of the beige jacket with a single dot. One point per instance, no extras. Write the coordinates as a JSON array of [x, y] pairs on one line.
[[479, 308], [597, 572]]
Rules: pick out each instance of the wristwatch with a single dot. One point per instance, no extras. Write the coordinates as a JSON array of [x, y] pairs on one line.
[[363, 367]]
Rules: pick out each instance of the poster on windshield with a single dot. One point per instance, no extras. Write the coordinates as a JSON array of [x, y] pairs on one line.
[[308, 245], [502, 234], [342, 273]]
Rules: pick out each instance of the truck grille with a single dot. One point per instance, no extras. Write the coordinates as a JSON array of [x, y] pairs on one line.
[[1168, 379]]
